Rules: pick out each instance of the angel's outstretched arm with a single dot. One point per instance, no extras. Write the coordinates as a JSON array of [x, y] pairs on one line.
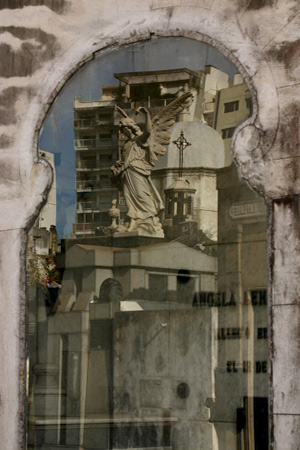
[[148, 124]]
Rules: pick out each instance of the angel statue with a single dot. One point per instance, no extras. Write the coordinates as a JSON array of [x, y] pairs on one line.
[[133, 171]]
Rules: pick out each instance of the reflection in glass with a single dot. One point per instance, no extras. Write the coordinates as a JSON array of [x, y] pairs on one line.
[[140, 340]]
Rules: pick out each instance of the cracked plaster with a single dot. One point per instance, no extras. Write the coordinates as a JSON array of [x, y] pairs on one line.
[[262, 42]]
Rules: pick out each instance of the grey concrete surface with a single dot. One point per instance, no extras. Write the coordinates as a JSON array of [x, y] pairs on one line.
[[43, 43]]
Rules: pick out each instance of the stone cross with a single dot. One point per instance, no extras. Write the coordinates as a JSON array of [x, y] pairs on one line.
[[181, 143]]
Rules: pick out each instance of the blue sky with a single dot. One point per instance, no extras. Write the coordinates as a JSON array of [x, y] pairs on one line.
[[57, 132]]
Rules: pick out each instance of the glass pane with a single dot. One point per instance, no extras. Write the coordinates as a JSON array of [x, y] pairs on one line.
[[147, 282]]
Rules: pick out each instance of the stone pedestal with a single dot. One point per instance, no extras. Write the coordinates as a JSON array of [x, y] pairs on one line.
[[135, 239], [136, 233]]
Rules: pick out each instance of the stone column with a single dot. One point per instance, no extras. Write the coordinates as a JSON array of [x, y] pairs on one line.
[[12, 338], [285, 324], [19, 207]]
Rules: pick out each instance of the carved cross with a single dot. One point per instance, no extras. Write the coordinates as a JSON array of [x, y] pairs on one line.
[[181, 143]]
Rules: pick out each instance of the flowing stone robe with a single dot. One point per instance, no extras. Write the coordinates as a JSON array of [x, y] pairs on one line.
[[141, 197]]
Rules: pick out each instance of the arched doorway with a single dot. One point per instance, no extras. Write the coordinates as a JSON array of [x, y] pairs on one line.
[[127, 374]]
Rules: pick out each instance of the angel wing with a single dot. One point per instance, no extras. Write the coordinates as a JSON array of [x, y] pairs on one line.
[[160, 136]]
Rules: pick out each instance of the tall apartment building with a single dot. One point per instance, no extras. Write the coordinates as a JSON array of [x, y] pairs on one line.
[[233, 105], [96, 147], [215, 80], [97, 141]]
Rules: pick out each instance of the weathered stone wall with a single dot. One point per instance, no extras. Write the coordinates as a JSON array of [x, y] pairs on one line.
[[42, 42]]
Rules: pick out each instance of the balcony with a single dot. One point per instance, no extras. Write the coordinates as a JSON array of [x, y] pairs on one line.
[[86, 228], [87, 185], [86, 144], [93, 185], [104, 121], [209, 107], [91, 123], [84, 123], [92, 206], [158, 103], [87, 164], [93, 165], [87, 206]]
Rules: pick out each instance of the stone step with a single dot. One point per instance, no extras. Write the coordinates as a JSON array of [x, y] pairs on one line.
[[145, 448], [72, 447]]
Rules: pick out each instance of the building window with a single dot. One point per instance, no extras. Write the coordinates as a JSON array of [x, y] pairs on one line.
[[231, 106], [227, 133]]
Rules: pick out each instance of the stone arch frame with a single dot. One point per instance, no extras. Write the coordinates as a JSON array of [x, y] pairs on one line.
[[252, 140], [254, 145]]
